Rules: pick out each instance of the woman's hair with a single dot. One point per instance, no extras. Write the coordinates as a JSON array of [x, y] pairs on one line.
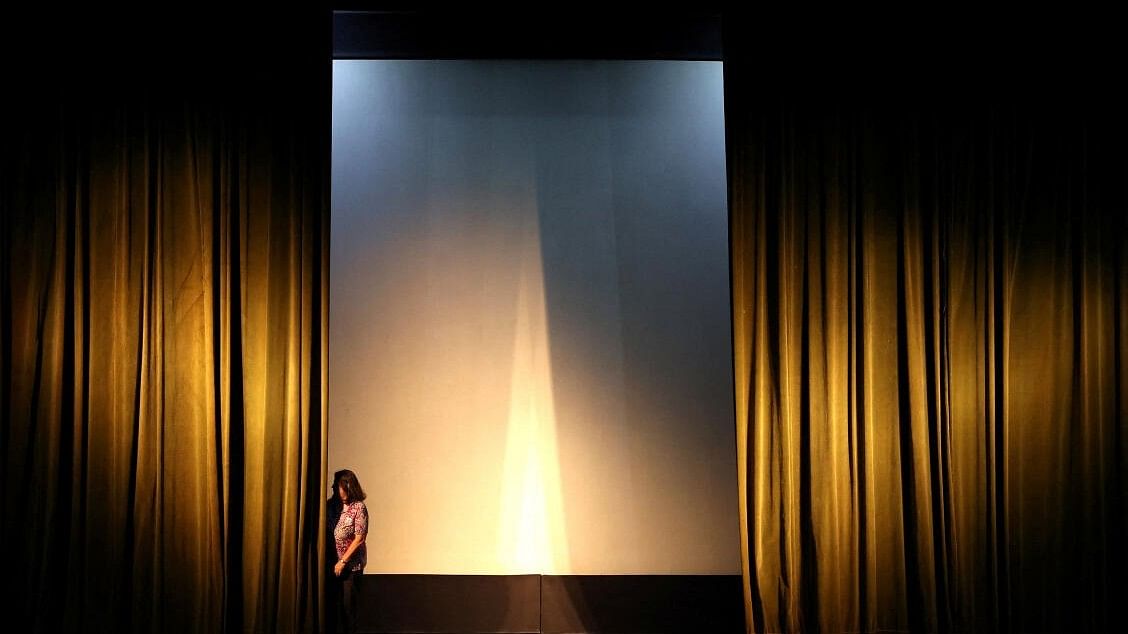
[[352, 485]]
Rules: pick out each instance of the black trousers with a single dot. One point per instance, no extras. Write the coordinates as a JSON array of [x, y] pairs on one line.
[[343, 593]]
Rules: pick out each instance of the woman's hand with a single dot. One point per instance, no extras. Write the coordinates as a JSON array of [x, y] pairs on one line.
[[339, 568]]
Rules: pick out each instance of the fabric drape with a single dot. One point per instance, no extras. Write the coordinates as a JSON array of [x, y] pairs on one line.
[[165, 232], [929, 312]]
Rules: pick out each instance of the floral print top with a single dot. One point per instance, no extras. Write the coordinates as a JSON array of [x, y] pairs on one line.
[[353, 522]]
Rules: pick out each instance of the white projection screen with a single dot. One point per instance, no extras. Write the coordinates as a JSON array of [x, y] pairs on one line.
[[530, 360]]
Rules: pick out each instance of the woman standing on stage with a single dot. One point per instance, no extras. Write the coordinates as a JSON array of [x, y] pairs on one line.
[[348, 537]]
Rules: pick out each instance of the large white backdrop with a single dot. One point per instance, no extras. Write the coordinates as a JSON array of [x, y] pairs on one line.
[[530, 359]]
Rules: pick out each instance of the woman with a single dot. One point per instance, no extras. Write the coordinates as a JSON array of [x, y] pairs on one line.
[[349, 532]]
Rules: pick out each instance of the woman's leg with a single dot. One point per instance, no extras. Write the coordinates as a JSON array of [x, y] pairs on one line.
[[349, 595], [334, 624]]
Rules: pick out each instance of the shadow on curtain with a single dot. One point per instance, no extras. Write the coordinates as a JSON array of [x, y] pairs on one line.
[[930, 289], [165, 232]]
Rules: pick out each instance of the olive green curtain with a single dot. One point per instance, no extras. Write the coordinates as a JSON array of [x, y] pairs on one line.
[[165, 232], [930, 311]]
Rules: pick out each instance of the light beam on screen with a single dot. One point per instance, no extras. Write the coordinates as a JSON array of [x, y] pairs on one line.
[[531, 529]]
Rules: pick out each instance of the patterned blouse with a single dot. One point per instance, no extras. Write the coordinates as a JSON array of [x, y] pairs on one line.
[[353, 522]]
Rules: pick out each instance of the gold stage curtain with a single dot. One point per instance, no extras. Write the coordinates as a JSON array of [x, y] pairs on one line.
[[165, 236], [930, 312]]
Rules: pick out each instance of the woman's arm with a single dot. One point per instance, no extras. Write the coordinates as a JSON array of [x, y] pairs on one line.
[[339, 568], [356, 542]]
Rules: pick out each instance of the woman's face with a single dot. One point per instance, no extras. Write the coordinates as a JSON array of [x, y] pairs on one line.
[[342, 493]]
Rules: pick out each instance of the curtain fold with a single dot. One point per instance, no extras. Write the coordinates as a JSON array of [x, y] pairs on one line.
[[165, 233], [929, 312]]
